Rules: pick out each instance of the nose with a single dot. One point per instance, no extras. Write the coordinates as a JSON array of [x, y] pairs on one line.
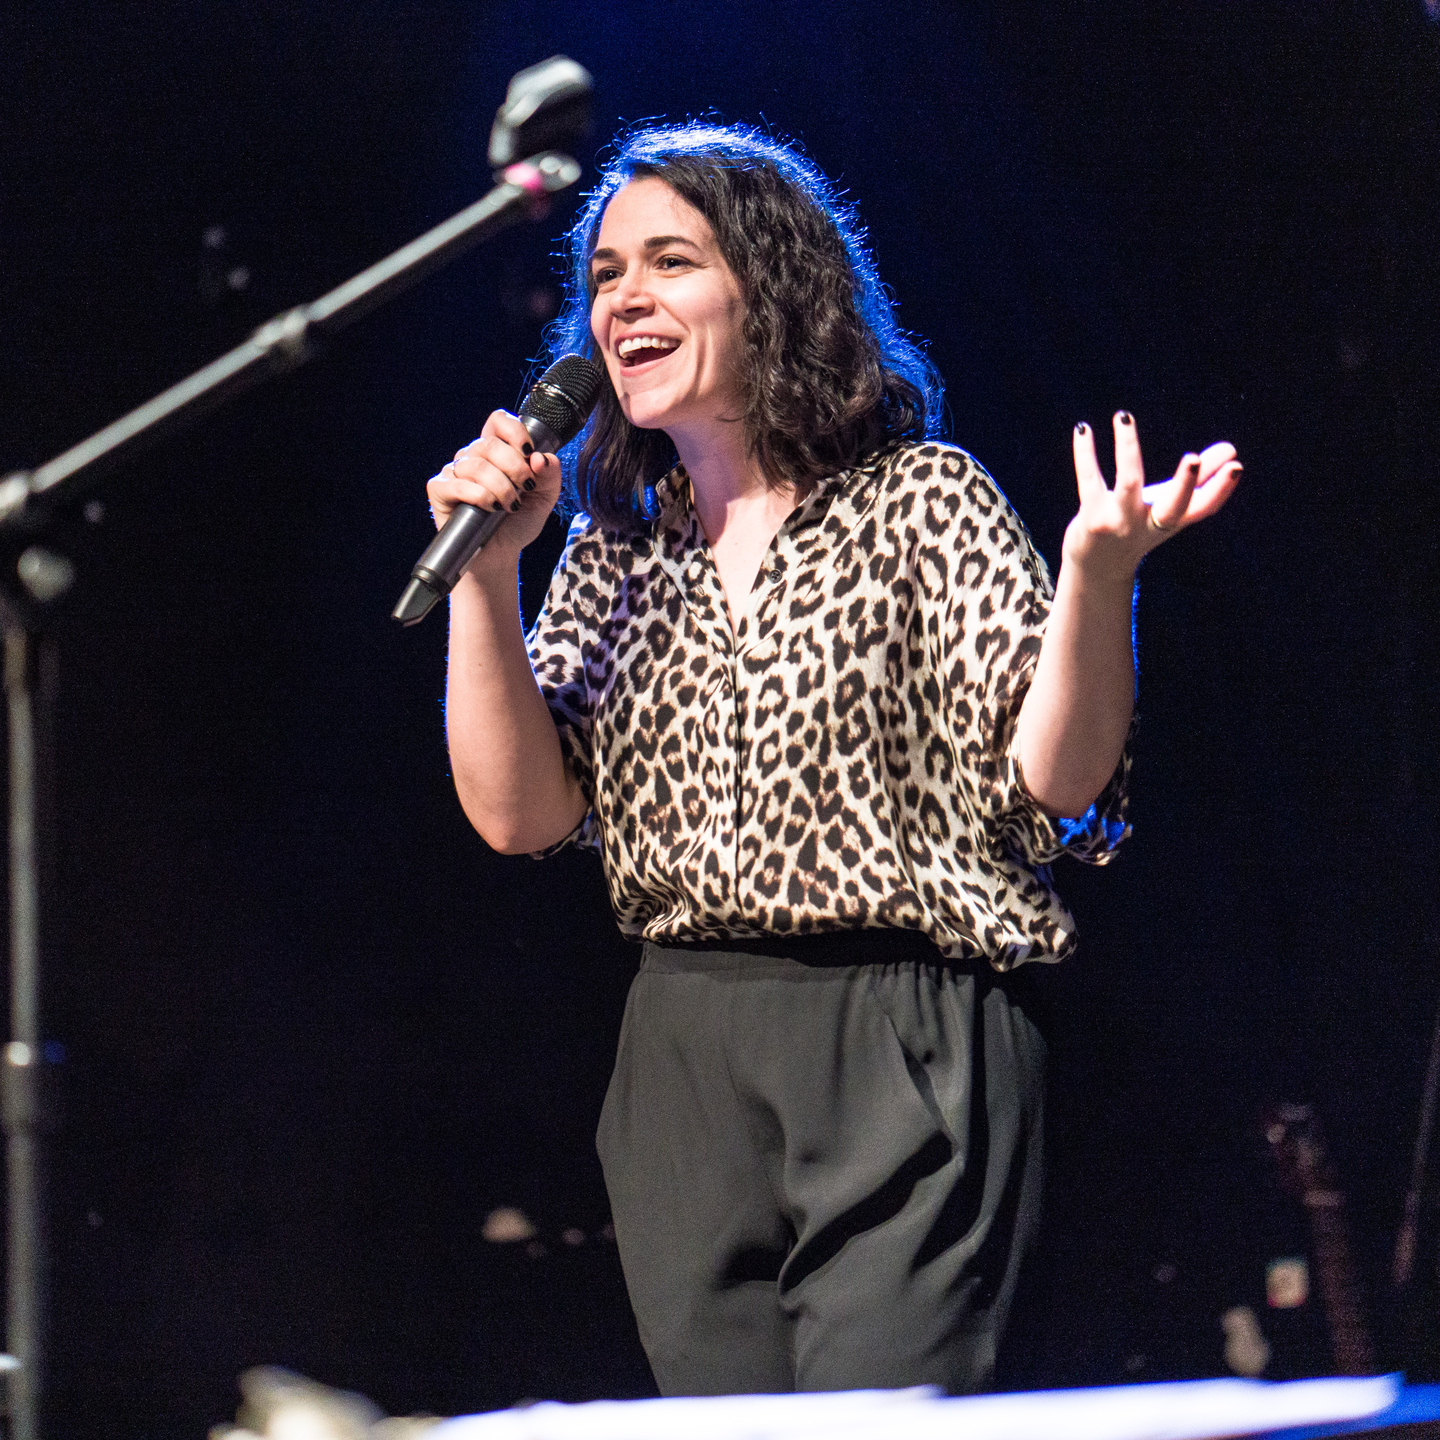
[[631, 295]]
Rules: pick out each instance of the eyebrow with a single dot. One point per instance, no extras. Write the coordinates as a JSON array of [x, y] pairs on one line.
[[655, 242]]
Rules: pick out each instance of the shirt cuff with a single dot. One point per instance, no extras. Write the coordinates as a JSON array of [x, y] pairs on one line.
[[1038, 838], [586, 835]]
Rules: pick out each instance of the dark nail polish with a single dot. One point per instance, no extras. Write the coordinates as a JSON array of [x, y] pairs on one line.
[[1082, 428], [514, 505], [529, 484], [527, 449], [1125, 418]]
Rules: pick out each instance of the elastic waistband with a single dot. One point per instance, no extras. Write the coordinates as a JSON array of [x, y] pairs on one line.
[[836, 949], [797, 957]]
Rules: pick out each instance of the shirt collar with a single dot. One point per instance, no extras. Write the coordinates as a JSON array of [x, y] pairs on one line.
[[675, 512]]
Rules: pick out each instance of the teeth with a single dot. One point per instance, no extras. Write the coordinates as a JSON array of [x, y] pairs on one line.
[[632, 343]]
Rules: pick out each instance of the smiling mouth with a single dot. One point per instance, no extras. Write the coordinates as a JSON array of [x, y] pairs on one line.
[[637, 349]]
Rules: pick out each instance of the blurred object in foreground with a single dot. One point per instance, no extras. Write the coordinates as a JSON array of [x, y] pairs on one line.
[[1287, 1283], [1247, 1351], [507, 1225], [280, 1405]]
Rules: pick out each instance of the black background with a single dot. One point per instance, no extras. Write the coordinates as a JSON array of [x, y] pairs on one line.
[[315, 1031]]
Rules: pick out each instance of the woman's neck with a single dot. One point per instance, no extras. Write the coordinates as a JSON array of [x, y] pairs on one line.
[[737, 509], [727, 482]]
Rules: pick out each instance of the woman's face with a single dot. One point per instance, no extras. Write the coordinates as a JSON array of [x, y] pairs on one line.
[[667, 311]]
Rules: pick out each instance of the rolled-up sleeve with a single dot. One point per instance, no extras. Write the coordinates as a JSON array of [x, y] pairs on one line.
[[1092, 837], [996, 614]]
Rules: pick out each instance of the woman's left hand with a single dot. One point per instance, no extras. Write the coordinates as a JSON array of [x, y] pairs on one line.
[[1115, 528]]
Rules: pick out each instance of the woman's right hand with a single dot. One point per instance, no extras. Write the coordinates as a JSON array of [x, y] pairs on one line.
[[505, 755], [499, 471]]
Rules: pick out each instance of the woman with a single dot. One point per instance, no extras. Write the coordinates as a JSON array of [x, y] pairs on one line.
[[807, 691]]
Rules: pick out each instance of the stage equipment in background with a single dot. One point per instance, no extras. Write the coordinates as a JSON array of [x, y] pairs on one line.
[[1297, 1145], [1403, 1265], [547, 107], [545, 113], [521, 191], [558, 404], [508, 1225]]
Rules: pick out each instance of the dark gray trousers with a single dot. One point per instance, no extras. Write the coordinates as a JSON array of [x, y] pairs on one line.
[[823, 1158]]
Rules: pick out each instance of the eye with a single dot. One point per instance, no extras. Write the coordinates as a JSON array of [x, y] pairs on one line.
[[605, 275], [672, 262]]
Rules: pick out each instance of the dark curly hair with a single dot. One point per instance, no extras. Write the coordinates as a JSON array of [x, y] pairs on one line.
[[830, 378]]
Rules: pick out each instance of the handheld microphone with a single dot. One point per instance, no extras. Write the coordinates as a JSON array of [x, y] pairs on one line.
[[558, 404]]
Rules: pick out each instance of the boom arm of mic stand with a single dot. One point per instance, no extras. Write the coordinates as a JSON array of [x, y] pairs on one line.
[[288, 340]]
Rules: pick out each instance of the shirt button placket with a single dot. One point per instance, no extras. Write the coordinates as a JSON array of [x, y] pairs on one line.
[[734, 736]]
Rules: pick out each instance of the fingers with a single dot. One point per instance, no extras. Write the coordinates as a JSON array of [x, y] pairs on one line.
[[1200, 486], [1089, 479], [1129, 467], [1215, 457], [498, 463], [494, 472], [1212, 493], [507, 427], [1168, 510], [1140, 515]]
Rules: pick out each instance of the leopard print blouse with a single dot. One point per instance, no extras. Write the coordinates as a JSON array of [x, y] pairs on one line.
[[846, 757]]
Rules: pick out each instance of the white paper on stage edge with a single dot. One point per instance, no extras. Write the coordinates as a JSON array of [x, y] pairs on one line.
[[724, 1417], [1193, 1410]]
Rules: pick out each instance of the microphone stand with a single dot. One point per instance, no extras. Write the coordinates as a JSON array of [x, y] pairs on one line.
[[29, 503], [1403, 1265]]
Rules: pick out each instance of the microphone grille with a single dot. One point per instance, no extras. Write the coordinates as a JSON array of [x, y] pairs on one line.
[[563, 397]]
